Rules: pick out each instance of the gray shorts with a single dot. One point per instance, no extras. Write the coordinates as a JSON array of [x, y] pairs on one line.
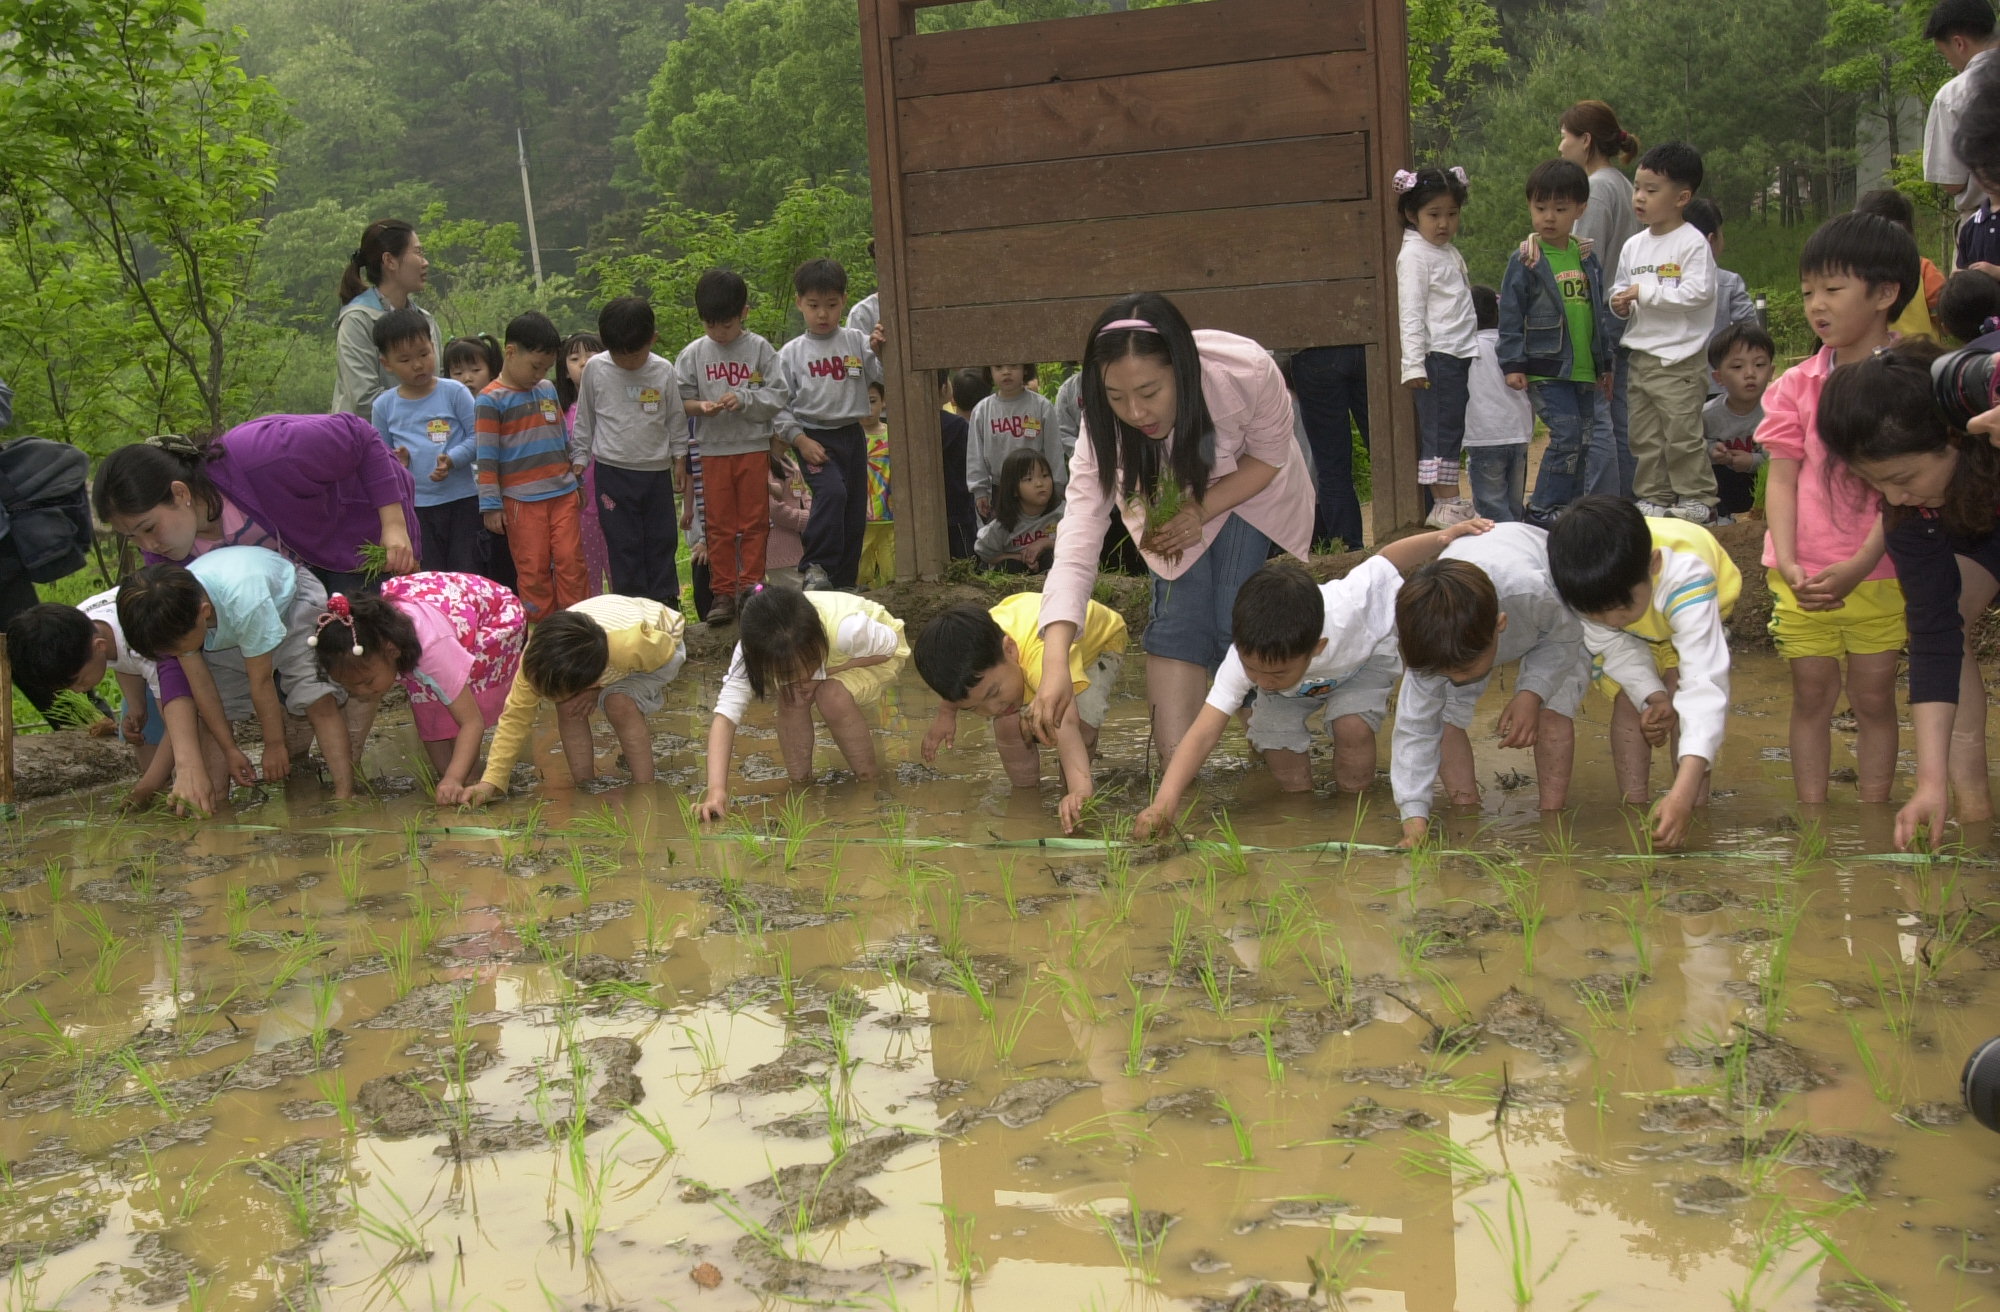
[[1279, 722], [1460, 703], [299, 680], [1094, 702], [647, 688]]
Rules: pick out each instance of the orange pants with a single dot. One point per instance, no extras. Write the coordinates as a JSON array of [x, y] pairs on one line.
[[546, 541]]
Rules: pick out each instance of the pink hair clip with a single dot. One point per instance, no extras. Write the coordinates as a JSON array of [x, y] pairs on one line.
[[1458, 172], [1402, 180], [1128, 325], [337, 612]]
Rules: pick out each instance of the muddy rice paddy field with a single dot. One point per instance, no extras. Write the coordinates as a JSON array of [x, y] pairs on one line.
[[885, 1046]]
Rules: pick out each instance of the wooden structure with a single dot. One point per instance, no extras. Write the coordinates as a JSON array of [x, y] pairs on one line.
[[1233, 154]]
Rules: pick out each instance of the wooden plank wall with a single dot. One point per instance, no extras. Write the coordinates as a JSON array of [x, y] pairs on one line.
[[1232, 154]]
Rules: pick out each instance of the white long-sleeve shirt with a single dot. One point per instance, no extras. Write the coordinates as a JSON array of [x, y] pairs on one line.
[[1675, 275], [1433, 303], [1543, 636], [856, 636], [1687, 610], [1359, 624]]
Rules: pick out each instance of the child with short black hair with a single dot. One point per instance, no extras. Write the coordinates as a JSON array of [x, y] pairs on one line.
[[474, 361], [1013, 416], [1920, 316], [1739, 361], [1499, 422], [1969, 307], [826, 372], [1439, 330], [428, 422], [731, 388], [453, 641], [1834, 594], [1556, 337], [1653, 594], [1487, 601], [609, 653], [1304, 648], [527, 484], [1027, 508], [54, 648], [250, 599], [1665, 290], [989, 662], [825, 651], [631, 424]]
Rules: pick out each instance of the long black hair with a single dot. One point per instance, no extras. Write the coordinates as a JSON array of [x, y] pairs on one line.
[[134, 479], [780, 633], [1019, 464], [1880, 408], [1120, 448]]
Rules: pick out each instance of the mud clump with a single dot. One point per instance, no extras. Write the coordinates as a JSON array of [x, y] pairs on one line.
[[1365, 1118], [1301, 1034], [426, 1007], [398, 1108], [1684, 1116], [1451, 933], [1759, 1069], [1521, 1021], [19, 1252], [594, 968], [166, 1270], [1690, 902], [755, 908], [1937, 1115], [1259, 1298], [1711, 1194], [828, 1193], [1027, 1102]]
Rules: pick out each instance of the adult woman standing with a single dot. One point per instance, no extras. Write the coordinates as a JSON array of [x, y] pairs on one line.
[[382, 274], [1590, 138], [1201, 419]]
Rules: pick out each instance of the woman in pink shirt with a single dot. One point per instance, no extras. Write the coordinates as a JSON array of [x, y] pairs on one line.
[[1147, 380]]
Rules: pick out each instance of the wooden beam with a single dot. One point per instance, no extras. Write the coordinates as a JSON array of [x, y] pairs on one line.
[[1291, 314], [1112, 45], [1295, 170], [1107, 258], [1392, 420], [1176, 109], [916, 442]]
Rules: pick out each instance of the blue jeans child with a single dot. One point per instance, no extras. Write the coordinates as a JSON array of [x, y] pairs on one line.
[[1569, 411], [1499, 476]]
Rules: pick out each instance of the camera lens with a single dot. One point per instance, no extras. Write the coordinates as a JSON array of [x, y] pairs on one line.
[[1979, 1085], [1962, 385]]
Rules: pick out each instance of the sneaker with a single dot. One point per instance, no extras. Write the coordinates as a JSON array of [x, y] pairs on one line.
[[1694, 513], [1653, 509], [722, 610], [1723, 521], [815, 580], [1446, 513]]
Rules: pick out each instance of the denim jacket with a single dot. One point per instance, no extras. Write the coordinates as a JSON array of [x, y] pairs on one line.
[[1534, 330]]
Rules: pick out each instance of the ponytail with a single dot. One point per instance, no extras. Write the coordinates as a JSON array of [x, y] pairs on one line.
[[382, 237], [1596, 120]]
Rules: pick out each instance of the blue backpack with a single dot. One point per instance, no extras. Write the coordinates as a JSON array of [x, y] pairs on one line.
[[45, 506]]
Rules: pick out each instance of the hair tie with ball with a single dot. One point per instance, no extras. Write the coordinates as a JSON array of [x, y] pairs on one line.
[[337, 612]]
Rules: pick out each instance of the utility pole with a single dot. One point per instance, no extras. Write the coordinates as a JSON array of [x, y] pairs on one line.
[[528, 200]]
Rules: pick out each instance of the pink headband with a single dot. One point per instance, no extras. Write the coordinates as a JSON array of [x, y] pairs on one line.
[[1128, 325]]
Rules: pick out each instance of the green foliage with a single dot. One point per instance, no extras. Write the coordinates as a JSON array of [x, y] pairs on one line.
[[136, 164], [1454, 45]]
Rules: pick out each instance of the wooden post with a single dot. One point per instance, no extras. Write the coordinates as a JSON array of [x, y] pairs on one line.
[[916, 438], [6, 728], [1392, 417]]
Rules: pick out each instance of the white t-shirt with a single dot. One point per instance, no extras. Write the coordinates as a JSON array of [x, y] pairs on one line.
[[1359, 625], [1495, 414], [103, 609], [1941, 162], [857, 635]]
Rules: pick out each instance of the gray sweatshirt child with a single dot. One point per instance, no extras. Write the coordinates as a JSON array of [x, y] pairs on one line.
[[826, 379], [748, 366], [996, 540], [629, 418], [998, 425]]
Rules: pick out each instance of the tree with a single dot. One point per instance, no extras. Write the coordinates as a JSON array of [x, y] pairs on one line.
[[1453, 45], [135, 140]]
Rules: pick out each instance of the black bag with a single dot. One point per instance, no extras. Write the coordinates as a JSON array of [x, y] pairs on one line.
[[45, 506]]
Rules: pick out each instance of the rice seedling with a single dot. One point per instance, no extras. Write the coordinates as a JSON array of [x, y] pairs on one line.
[[403, 1233], [1522, 893], [1075, 998], [1231, 856], [145, 1079], [296, 952], [110, 947], [236, 911], [1636, 913], [1007, 1033], [1140, 1250], [1896, 993], [831, 877], [690, 826], [963, 1264], [1240, 1132], [702, 1043], [1217, 985], [1332, 974], [603, 823], [332, 1086], [655, 927], [590, 1181], [1519, 1249], [1432, 1153], [1345, 1262], [1560, 833], [325, 989], [144, 876], [796, 829], [1878, 1080], [297, 1185], [173, 955], [962, 972], [947, 920], [1274, 1065], [1143, 1013], [1007, 888], [400, 955], [1781, 917], [583, 872]]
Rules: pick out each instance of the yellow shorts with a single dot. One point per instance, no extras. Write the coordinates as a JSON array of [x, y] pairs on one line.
[[866, 683], [878, 553], [1664, 658], [1871, 621]]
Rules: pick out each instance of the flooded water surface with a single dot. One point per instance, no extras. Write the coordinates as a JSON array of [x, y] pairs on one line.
[[884, 1047]]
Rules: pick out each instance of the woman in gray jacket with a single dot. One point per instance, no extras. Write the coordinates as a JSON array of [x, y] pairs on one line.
[[391, 261]]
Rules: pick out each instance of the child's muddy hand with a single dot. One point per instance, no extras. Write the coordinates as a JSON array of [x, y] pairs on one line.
[[1922, 820], [712, 807], [478, 794], [1658, 720], [193, 794], [940, 735], [451, 793], [102, 728], [240, 768], [1155, 819], [1670, 820], [1072, 808], [1416, 832], [1520, 720]]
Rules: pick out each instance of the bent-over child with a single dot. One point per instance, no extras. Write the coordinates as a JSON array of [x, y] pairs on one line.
[[1305, 649], [453, 641], [1653, 595], [989, 662], [1486, 602], [607, 653], [830, 652]]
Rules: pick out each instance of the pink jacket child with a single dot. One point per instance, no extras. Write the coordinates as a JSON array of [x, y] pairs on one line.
[[791, 506]]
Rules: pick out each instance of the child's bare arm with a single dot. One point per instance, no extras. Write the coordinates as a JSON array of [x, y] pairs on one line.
[[1188, 757]]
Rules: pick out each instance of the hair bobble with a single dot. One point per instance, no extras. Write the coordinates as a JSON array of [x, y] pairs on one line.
[[1403, 180], [1458, 171], [337, 612]]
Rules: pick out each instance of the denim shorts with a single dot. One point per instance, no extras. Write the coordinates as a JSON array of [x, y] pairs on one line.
[[1191, 614]]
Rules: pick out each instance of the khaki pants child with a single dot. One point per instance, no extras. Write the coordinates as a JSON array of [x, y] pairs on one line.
[[1669, 449]]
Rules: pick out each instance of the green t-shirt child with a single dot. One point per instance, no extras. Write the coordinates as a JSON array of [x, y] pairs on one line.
[[1566, 263]]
